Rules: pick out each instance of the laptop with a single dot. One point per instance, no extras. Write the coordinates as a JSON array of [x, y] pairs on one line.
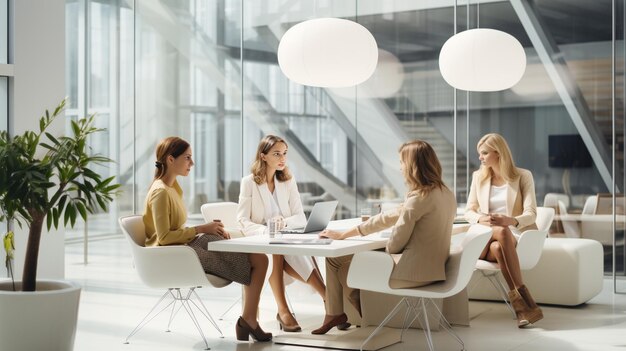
[[319, 218]]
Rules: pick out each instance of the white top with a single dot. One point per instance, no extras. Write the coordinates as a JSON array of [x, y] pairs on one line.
[[274, 209], [497, 199]]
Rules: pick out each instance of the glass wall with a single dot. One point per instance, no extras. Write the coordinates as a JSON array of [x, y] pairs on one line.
[[207, 71], [4, 31], [4, 96], [99, 80]]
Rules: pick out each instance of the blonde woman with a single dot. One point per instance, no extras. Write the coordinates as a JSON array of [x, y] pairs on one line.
[[269, 192], [419, 242], [164, 218], [503, 196]]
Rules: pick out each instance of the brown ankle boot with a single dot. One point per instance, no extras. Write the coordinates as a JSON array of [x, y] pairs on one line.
[[533, 314], [519, 306]]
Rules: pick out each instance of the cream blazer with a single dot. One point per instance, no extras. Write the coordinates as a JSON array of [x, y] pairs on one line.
[[520, 200], [253, 202], [420, 240]]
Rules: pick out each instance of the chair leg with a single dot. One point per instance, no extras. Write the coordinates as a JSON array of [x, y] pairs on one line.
[[230, 308], [497, 283], [425, 325], [150, 315], [174, 311], [205, 312], [447, 326], [385, 321], [179, 301], [185, 302]]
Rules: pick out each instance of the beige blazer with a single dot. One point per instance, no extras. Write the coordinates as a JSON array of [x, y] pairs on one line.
[[420, 240], [253, 202], [520, 200]]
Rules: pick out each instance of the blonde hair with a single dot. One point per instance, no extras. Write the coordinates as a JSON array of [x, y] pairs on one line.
[[422, 169], [496, 142], [259, 166], [174, 146]]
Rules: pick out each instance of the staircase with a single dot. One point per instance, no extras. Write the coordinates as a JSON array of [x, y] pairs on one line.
[[593, 77], [423, 130]]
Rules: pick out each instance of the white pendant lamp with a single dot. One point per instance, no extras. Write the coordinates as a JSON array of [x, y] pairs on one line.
[[482, 60], [328, 52], [385, 81]]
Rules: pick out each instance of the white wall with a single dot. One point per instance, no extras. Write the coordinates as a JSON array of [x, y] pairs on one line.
[[39, 84]]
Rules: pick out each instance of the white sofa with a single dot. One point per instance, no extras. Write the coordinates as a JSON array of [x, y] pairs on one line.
[[569, 272]]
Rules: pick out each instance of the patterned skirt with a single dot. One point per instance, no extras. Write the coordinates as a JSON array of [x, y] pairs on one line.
[[234, 266]]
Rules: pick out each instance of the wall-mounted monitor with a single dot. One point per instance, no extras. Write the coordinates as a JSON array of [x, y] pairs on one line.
[[567, 151]]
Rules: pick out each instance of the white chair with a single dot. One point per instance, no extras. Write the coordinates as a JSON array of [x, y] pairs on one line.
[[571, 227], [225, 212], [602, 231], [174, 268], [552, 199], [371, 270], [545, 216], [529, 248], [590, 205]]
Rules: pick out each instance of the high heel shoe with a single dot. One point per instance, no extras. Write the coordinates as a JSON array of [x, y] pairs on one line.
[[287, 328], [243, 331], [335, 322]]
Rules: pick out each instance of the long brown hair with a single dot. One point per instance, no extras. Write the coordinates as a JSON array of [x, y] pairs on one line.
[[422, 169], [496, 142], [259, 166], [174, 146]]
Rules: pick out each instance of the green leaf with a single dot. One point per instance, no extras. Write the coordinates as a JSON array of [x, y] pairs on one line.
[[82, 210], [49, 220], [54, 140]]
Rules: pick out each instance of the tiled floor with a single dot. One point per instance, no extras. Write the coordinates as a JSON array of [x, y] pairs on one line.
[[113, 301]]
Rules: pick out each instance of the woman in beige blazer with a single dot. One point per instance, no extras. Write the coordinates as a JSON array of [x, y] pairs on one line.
[[271, 191], [503, 196], [419, 242]]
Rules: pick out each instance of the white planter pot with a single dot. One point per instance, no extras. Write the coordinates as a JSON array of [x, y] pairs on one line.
[[41, 320]]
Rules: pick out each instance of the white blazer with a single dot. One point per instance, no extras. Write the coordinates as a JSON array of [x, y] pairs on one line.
[[254, 205]]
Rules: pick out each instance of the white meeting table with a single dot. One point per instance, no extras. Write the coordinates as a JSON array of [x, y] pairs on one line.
[[260, 243], [350, 246], [353, 245]]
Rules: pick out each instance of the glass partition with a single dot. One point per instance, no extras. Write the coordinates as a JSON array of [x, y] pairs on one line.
[[208, 71], [4, 31], [188, 84]]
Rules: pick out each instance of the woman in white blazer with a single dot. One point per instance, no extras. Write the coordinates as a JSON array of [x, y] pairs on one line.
[[271, 191]]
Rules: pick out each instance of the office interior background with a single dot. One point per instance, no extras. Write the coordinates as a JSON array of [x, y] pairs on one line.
[[207, 70]]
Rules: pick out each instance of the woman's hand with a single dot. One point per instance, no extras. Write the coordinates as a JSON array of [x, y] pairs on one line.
[[332, 234], [216, 228], [485, 220], [502, 220]]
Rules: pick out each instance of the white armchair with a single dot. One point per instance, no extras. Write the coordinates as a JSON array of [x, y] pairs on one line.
[[174, 268], [225, 212], [371, 271], [529, 248], [570, 227]]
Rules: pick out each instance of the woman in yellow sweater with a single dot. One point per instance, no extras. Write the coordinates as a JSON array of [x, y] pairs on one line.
[[164, 218]]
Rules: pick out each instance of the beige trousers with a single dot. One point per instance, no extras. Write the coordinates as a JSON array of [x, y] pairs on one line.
[[336, 285]]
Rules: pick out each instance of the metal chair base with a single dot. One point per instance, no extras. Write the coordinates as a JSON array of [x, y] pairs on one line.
[[188, 301], [500, 288], [416, 308]]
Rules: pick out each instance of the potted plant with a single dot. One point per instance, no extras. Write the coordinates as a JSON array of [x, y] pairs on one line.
[[46, 180]]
